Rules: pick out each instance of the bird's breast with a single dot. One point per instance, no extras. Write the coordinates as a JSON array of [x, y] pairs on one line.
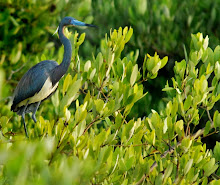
[[45, 91]]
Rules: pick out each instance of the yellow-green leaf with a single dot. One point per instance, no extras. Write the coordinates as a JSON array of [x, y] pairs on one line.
[[81, 39], [134, 75], [66, 83], [188, 166], [128, 35]]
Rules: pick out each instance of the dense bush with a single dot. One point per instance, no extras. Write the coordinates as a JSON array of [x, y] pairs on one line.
[[91, 141], [95, 128]]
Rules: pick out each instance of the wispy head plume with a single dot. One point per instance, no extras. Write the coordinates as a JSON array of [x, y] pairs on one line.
[[56, 31]]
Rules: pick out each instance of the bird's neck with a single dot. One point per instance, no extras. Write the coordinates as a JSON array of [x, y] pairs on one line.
[[61, 69]]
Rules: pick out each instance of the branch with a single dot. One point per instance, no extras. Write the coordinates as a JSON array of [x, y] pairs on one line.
[[87, 128], [15, 71]]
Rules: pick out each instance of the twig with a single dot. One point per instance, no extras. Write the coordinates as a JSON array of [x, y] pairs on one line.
[[144, 144], [15, 71], [87, 128], [210, 119]]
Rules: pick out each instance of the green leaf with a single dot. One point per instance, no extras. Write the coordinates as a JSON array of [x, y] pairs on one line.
[[203, 84], [217, 70], [209, 69], [217, 151], [67, 82], [216, 119], [128, 35], [67, 114], [213, 182], [125, 30], [210, 167], [185, 144], [99, 139], [206, 42], [134, 75], [205, 181], [129, 163], [210, 56], [80, 128], [207, 128], [43, 57], [130, 99], [99, 61], [217, 53], [174, 107], [55, 99], [159, 179], [92, 74], [125, 182], [108, 121], [187, 103], [82, 116], [81, 39], [168, 89], [217, 97], [111, 105], [150, 63], [168, 171], [99, 105], [156, 67], [141, 7], [165, 127], [118, 121], [87, 66], [194, 58], [122, 165], [16, 53], [70, 95], [128, 131], [179, 126], [164, 62], [87, 98], [150, 137], [188, 166]]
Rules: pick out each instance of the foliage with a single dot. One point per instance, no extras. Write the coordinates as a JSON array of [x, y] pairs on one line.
[[86, 136], [101, 126], [162, 26]]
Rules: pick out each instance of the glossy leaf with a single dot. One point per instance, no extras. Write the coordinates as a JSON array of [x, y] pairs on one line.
[[134, 75]]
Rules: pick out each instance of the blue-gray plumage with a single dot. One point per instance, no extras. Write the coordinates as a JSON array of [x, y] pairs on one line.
[[39, 82]]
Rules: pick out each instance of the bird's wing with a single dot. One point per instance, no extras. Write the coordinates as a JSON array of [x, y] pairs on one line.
[[32, 81]]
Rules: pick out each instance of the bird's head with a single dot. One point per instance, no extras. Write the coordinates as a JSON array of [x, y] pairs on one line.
[[70, 21]]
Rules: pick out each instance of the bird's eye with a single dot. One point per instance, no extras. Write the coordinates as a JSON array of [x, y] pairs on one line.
[[69, 21]]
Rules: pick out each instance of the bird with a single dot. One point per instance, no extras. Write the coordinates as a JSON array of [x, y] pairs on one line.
[[41, 81]]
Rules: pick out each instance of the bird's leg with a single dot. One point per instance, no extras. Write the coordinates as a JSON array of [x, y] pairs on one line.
[[23, 118], [34, 112]]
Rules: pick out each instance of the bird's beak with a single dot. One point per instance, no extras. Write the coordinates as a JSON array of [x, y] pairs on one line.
[[79, 23]]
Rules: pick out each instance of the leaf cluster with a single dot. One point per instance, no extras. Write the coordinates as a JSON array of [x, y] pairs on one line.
[[86, 136]]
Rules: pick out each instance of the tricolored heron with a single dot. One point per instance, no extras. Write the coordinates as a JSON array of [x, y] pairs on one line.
[[39, 82]]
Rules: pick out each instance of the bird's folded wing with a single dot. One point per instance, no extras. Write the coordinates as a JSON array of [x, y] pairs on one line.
[[32, 81]]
